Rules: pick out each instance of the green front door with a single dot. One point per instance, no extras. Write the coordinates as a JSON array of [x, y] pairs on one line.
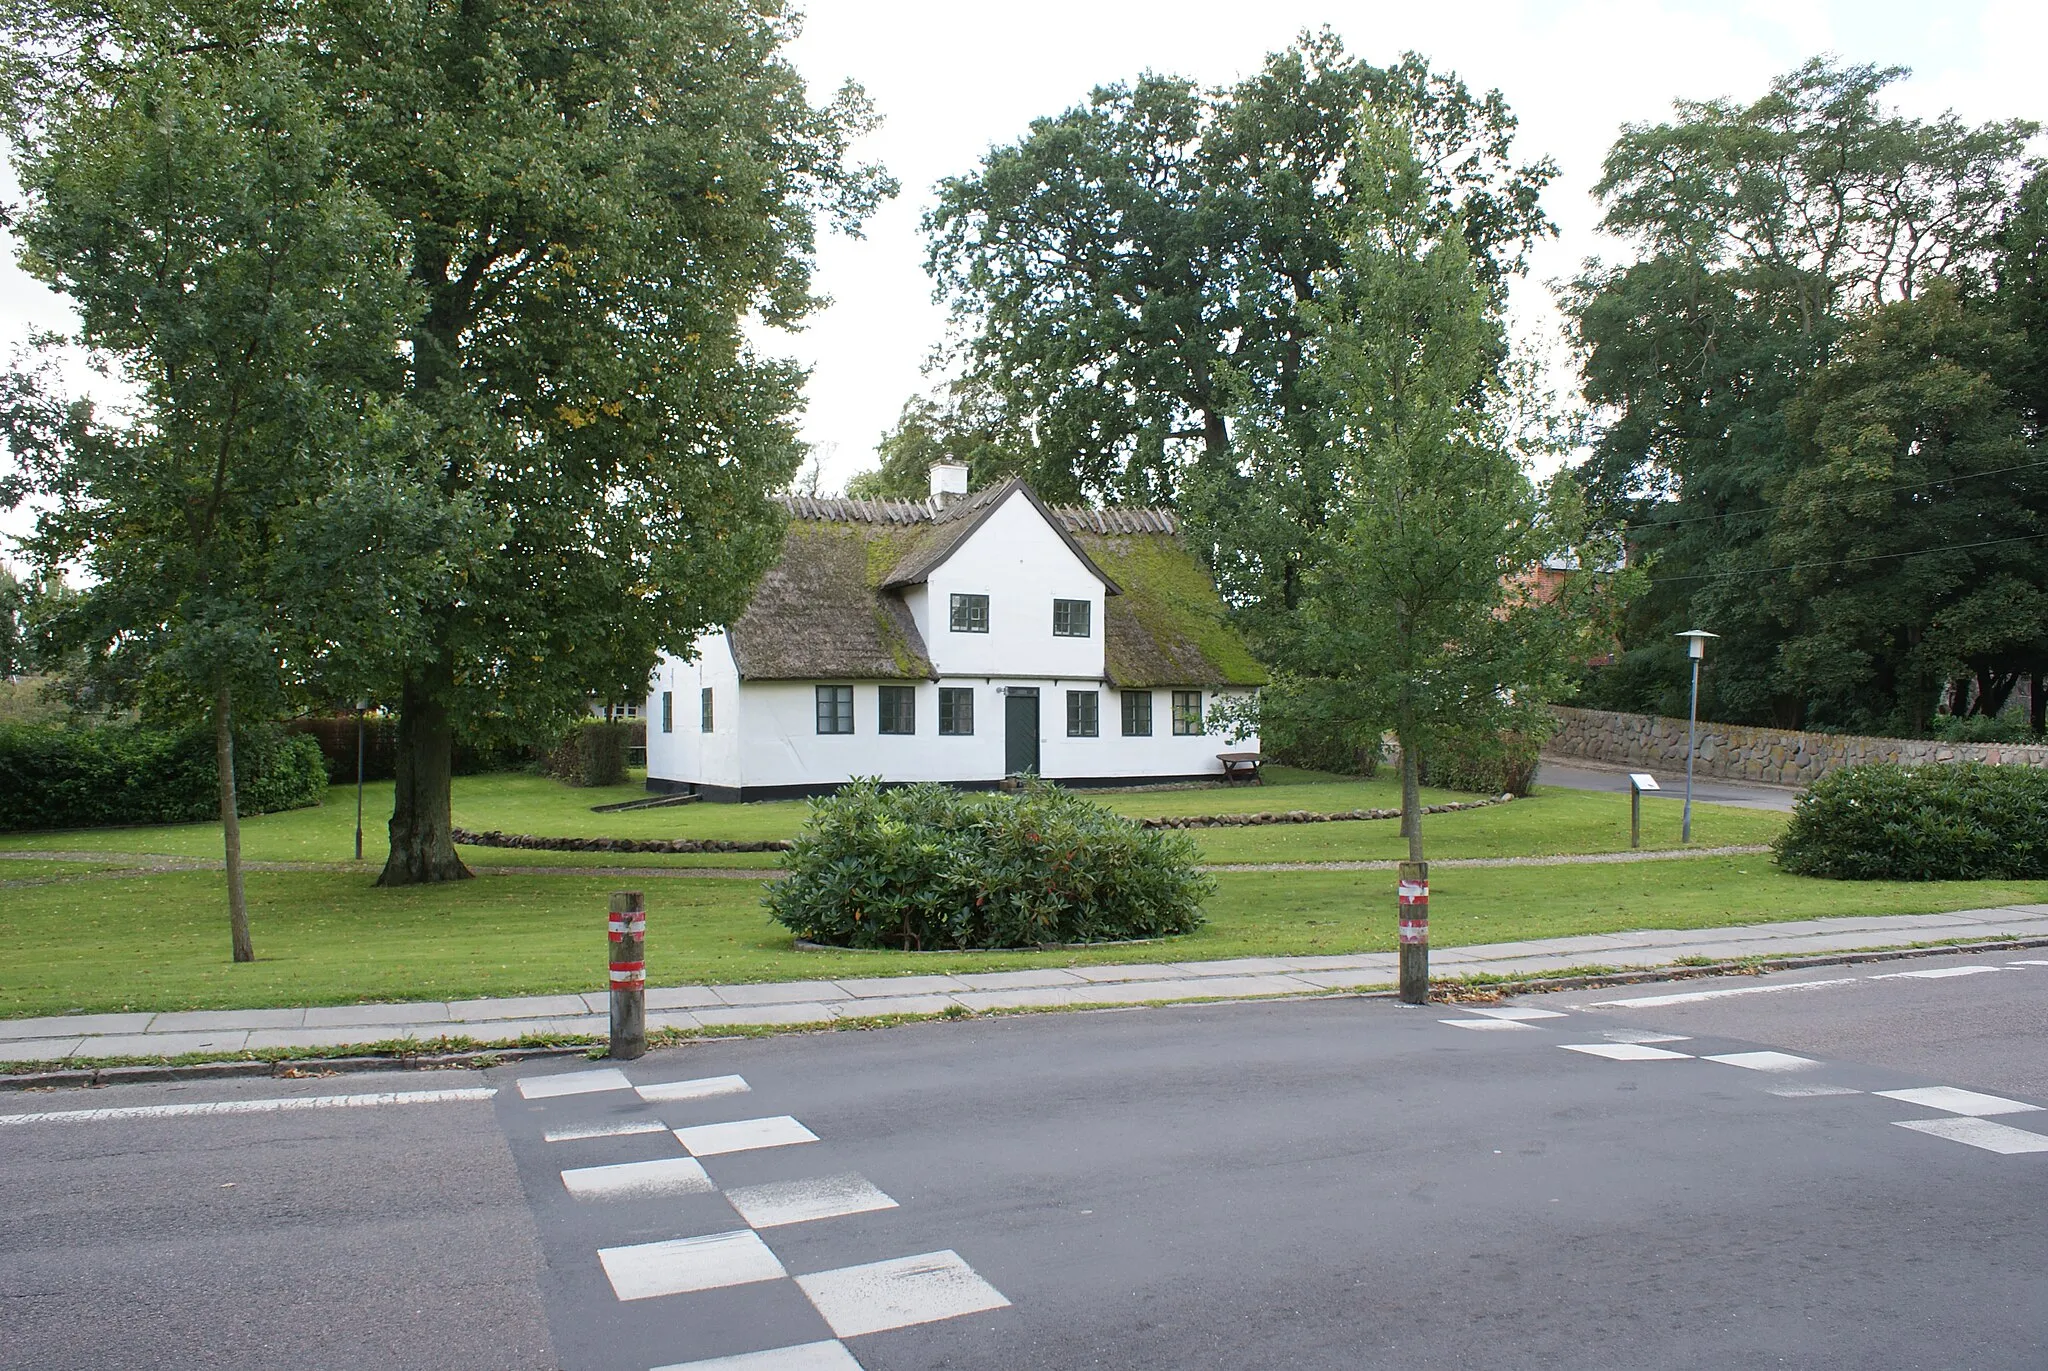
[[1020, 731]]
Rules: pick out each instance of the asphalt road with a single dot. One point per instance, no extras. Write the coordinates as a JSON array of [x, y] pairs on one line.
[[1742, 795], [1329, 1184]]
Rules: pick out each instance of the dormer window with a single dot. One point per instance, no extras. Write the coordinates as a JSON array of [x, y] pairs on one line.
[[970, 613], [1070, 618]]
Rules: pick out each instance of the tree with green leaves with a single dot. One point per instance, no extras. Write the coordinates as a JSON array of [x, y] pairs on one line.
[[1911, 532], [185, 195], [963, 424], [1134, 271], [589, 199], [1761, 233], [1417, 610]]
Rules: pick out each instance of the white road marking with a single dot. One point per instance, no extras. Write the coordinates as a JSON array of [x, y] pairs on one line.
[[825, 1197], [1625, 1052], [604, 1130], [896, 1294], [1764, 1061], [1485, 1024], [1936, 973], [623, 1180], [573, 1083], [290, 1104], [1992, 1137], [1807, 1092], [811, 1356], [2027, 963], [1697, 996], [1954, 1101], [667, 1092], [1630, 1035], [716, 1260], [1513, 1012], [717, 1139]]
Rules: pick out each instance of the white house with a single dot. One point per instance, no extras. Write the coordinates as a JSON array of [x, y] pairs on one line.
[[962, 639]]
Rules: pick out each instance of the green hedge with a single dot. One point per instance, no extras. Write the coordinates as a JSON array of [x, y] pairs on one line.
[[1961, 822], [593, 752], [1485, 764], [97, 777], [928, 867]]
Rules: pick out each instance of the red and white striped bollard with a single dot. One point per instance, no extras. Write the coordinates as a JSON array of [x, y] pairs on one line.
[[626, 928]]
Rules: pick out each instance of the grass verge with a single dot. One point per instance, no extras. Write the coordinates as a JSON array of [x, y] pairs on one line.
[[159, 942]]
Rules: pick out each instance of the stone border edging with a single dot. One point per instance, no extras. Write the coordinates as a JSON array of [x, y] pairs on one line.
[[536, 843]]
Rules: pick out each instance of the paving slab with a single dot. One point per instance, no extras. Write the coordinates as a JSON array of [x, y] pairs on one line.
[[1236, 966], [1136, 971], [522, 1007], [784, 992], [1207, 987], [64, 1025], [899, 986], [226, 1020], [1021, 980], [664, 997], [161, 1044], [1347, 980], [38, 1049], [898, 1004], [292, 1039], [812, 1012], [667, 1018], [361, 1015]]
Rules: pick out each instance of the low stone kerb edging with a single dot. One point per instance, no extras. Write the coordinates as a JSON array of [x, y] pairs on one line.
[[534, 842]]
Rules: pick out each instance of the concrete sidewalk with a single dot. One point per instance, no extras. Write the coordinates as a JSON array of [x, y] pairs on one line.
[[796, 1003]]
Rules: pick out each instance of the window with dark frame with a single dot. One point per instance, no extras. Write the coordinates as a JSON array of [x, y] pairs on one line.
[[1084, 718], [1137, 713], [835, 709], [668, 711], [704, 710], [956, 711], [897, 709], [1070, 618], [970, 614], [1187, 713]]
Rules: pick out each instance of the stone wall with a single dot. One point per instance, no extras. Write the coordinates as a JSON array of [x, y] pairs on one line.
[[1773, 756]]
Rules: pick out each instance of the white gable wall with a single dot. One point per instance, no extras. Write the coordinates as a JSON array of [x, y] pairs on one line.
[[1022, 564], [685, 752]]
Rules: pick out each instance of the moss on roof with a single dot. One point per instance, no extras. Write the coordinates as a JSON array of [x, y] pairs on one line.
[[1169, 627], [817, 614]]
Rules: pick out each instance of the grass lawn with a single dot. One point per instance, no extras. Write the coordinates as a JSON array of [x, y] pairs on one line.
[[160, 941], [1550, 822]]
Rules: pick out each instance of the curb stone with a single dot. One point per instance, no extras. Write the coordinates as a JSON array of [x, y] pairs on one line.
[[480, 1058]]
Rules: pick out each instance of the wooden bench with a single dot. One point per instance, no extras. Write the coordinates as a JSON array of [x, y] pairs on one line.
[[1242, 768]]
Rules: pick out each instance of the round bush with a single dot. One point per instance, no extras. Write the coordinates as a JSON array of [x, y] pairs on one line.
[[927, 867], [1960, 822]]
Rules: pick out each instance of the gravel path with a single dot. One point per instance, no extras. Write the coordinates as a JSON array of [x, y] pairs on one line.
[[1680, 854]]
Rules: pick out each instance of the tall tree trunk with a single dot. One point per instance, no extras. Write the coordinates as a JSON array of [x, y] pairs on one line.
[[422, 845], [231, 824], [1411, 796]]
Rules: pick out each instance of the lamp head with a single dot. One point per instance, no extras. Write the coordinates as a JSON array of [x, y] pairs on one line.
[[1696, 641]]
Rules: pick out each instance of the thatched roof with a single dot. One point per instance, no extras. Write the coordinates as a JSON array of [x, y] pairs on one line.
[[832, 607]]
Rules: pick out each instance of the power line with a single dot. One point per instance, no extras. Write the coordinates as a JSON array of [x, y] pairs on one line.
[[1891, 490], [1845, 561]]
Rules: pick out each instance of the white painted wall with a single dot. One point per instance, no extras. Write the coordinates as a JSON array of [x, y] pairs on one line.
[[1022, 565], [775, 741], [687, 753]]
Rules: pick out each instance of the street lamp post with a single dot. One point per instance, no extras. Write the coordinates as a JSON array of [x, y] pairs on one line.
[[1695, 648]]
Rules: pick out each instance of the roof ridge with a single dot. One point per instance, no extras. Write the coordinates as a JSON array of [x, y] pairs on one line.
[[1076, 518]]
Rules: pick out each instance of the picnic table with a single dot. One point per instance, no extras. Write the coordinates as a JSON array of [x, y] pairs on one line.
[[1241, 768]]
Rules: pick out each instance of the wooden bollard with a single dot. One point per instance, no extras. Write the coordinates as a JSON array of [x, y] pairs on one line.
[[1414, 894], [626, 929]]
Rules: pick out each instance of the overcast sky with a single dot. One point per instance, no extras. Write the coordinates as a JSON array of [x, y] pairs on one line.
[[952, 80]]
